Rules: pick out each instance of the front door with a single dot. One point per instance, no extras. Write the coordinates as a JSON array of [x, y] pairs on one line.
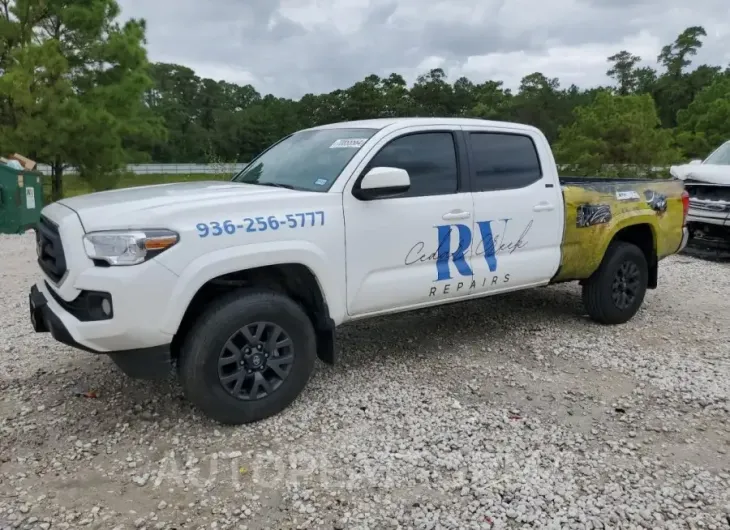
[[414, 249]]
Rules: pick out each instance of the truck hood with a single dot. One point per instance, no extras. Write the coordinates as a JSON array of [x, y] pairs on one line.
[[129, 206], [709, 173]]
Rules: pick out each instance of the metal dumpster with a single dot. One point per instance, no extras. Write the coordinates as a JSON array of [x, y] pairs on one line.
[[21, 199]]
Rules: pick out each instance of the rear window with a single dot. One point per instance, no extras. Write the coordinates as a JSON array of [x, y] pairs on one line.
[[503, 161]]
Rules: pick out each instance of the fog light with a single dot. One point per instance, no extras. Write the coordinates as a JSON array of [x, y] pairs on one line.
[[98, 305]]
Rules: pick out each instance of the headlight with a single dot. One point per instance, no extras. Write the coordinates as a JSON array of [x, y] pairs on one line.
[[128, 247]]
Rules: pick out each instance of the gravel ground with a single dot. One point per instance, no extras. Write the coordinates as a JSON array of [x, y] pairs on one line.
[[510, 412]]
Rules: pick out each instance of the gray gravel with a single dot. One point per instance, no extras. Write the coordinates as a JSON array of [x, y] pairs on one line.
[[510, 412]]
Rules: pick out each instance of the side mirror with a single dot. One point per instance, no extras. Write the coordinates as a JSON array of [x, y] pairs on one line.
[[382, 182], [694, 162]]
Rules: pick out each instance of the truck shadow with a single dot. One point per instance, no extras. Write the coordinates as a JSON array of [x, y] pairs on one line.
[[453, 326], [425, 336]]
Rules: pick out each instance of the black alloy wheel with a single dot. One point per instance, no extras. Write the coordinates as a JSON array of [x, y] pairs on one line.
[[626, 285], [255, 361]]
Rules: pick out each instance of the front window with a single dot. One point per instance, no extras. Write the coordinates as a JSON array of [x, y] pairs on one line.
[[307, 160], [721, 156]]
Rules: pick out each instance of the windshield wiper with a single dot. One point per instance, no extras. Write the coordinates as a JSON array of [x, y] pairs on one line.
[[276, 185]]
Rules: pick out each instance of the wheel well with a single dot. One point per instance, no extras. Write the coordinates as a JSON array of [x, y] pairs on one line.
[[642, 236], [292, 279]]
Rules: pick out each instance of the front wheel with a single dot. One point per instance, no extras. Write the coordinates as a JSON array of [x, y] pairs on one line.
[[615, 292], [248, 356]]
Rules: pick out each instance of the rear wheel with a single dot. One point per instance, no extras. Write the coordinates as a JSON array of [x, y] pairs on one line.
[[248, 356], [615, 292]]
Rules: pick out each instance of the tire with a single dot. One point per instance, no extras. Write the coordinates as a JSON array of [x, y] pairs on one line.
[[216, 336], [599, 289]]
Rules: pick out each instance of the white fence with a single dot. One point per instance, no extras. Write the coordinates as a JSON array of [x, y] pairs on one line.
[[171, 169]]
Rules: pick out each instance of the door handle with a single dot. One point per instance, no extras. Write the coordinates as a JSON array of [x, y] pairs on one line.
[[455, 215], [543, 207]]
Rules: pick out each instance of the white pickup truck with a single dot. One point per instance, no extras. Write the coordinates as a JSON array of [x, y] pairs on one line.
[[240, 285], [708, 184]]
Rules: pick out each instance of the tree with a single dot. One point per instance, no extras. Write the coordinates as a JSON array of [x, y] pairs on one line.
[[72, 86], [675, 57], [243, 129], [646, 78], [76, 89], [491, 101], [541, 103], [623, 71], [432, 95], [705, 124], [676, 89], [615, 130]]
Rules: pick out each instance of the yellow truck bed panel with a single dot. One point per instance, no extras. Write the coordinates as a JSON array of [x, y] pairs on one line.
[[595, 211]]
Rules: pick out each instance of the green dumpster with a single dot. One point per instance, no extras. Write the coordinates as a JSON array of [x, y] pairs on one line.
[[21, 199]]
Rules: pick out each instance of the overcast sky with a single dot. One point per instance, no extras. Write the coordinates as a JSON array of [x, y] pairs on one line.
[[291, 47]]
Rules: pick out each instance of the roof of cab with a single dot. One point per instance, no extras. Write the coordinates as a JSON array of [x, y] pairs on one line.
[[382, 123]]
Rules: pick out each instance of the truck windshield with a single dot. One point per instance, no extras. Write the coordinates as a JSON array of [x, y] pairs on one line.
[[307, 160], [721, 156]]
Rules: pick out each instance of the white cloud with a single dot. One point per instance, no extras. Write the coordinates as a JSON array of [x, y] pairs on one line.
[[583, 65], [290, 47]]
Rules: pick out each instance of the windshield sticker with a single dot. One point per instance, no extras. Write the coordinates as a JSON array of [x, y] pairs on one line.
[[320, 182], [627, 195], [348, 143]]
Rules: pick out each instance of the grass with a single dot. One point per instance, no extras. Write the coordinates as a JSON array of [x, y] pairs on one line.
[[73, 185]]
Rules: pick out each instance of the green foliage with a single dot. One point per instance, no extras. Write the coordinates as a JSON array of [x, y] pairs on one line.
[[621, 131], [74, 185], [72, 86], [675, 57], [624, 72], [76, 90], [705, 124], [215, 120]]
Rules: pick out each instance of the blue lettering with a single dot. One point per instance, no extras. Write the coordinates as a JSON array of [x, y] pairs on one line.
[[444, 252], [490, 256]]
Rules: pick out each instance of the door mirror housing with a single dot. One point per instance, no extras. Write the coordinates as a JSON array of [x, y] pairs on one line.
[[694, 162], [383, 182]]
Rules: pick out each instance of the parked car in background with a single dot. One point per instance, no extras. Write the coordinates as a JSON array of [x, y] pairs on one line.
[[708, 184]]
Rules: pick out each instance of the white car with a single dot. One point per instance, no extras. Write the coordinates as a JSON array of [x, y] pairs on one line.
[[708, 185], [240, 285]]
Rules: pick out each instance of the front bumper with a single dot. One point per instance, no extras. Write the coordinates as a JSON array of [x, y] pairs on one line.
[[117, 311], [142, 363]]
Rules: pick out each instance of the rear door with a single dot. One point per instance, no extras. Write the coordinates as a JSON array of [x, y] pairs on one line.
[[518, 210]]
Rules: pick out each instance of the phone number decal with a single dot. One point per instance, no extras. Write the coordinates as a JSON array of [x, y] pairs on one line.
[[260, 224]]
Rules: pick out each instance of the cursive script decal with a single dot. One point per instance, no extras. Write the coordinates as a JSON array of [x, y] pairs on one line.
[[489, 246], [417, 254], [505, 246]]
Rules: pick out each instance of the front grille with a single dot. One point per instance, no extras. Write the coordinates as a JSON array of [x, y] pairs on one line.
[[712, 206], [50, 250]]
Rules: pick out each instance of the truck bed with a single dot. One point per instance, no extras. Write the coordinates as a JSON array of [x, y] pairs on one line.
[[598, 208], [599, 180]]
